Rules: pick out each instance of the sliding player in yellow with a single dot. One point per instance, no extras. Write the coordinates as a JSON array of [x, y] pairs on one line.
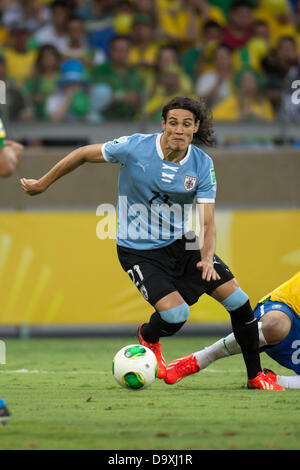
[[278, 315]]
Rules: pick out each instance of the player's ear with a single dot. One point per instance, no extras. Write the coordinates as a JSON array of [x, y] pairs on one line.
[[163, 123], [196, 127]]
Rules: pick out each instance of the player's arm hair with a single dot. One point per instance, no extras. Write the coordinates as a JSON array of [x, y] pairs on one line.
[[207, 236], [88, 153]]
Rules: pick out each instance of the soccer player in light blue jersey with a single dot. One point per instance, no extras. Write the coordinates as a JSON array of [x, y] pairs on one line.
[[161, 175]]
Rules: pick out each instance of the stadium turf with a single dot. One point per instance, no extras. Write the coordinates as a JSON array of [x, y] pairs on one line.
[[61, 395]]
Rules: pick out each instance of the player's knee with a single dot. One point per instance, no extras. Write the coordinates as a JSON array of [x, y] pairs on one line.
[[235, 300], [275, 326], [177, 314]]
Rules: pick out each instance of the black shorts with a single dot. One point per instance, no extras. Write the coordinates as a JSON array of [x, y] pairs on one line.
[[159, 272]]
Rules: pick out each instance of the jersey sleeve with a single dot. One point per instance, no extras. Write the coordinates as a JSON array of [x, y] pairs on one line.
[[207, 183], [117, 150]]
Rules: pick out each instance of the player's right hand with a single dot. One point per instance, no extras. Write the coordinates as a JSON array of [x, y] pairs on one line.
[[31, 186], [208, 271]]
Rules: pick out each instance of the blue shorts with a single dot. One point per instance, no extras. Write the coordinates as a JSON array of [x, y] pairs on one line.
[[287, 352]]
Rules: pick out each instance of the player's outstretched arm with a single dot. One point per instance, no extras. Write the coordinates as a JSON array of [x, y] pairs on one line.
[[88, 153]]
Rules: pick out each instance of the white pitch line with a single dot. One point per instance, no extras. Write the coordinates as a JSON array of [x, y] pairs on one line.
[[224, 371], [37, 371]]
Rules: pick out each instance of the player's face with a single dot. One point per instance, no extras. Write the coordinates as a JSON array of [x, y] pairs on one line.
[[179, 129]]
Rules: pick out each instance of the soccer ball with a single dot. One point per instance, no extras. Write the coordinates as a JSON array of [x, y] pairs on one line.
[[135, 366]]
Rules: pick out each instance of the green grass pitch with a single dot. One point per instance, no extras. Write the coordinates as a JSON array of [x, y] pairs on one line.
[[62, 396]]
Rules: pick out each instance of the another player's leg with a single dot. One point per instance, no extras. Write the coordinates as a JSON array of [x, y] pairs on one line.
[[228, 346], [180, 368], [245, 330], [187, 365], [170, 315]]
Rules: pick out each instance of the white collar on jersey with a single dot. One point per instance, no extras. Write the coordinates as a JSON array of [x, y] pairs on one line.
[[161, 155]]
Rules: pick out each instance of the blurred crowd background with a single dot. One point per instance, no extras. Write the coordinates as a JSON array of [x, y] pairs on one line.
[[87, 71], [99, 60]]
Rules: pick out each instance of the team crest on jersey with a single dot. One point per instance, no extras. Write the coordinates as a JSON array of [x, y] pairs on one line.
[[189, 182]]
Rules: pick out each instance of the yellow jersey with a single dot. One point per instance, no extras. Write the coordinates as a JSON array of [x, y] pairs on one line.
[[19, 66], [288, 292], [229, 110]]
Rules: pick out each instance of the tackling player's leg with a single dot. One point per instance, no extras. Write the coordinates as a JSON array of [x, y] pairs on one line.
[[228, 346], [245, 329], [181, 368]]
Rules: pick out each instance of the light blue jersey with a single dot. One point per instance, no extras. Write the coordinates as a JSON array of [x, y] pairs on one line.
[[156, 195]]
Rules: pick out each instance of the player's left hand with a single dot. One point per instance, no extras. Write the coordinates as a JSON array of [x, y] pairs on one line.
[[208, 271]]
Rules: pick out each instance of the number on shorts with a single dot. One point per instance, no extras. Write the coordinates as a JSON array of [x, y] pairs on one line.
[[295, 355], [136, 275]]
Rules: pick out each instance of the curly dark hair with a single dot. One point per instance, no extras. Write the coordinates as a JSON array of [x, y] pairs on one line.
[[198, 108]]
